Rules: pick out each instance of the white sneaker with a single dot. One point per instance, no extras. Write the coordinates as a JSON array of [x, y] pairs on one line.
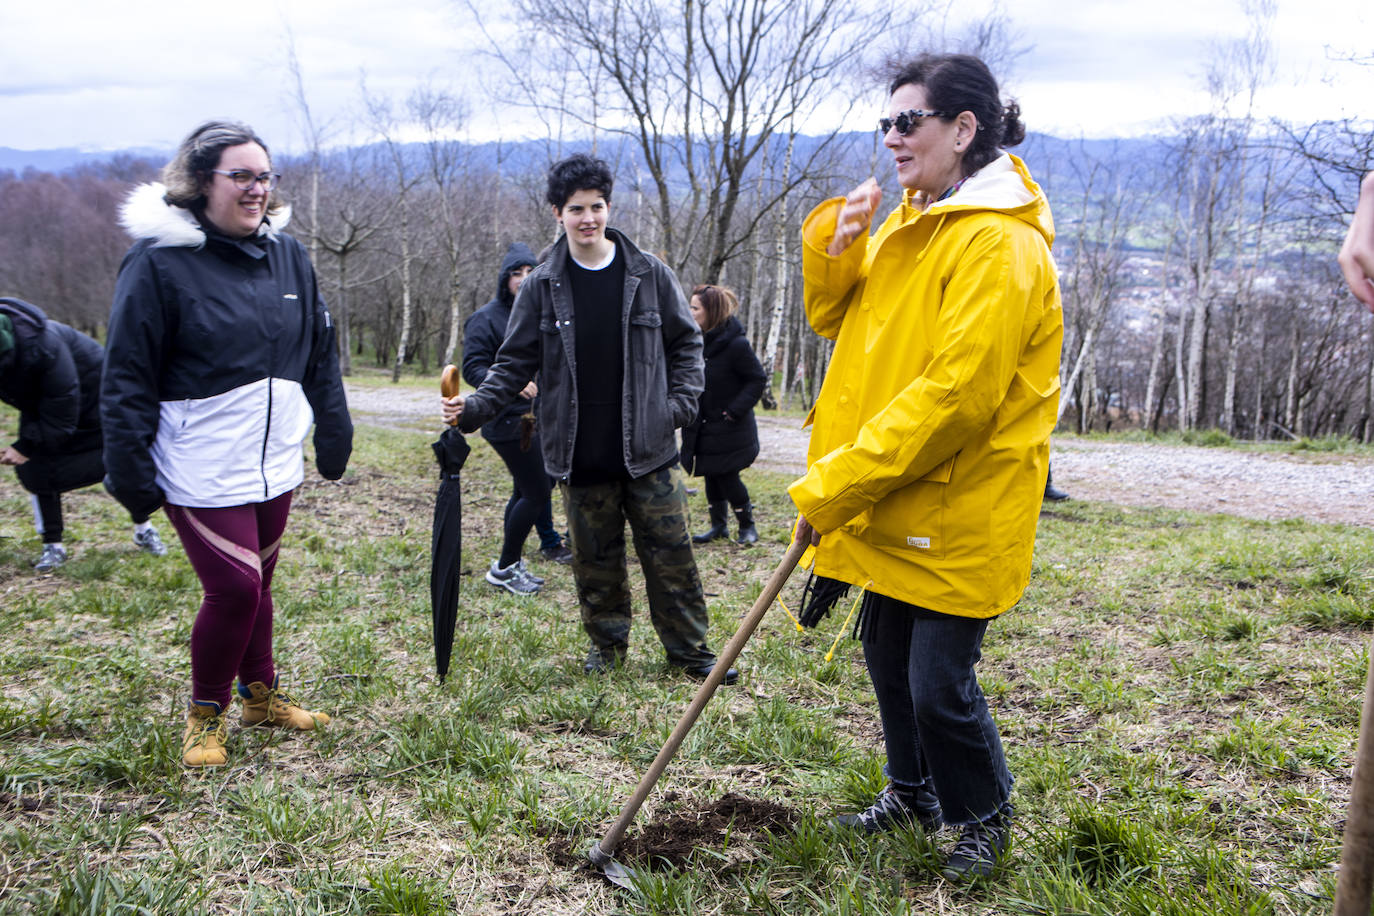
[[53, 556], [514, 579], [148, 542]]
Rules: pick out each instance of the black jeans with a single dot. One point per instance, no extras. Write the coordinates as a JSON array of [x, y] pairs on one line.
[[936, 724], [529, 496]]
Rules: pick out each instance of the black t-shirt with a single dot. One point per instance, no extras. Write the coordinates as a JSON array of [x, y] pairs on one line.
[[598, 298]]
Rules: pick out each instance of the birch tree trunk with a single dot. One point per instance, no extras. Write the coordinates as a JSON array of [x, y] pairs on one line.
[[407, 306], [1156, 357], [1181, 396], [770, 350], [1290, 411]]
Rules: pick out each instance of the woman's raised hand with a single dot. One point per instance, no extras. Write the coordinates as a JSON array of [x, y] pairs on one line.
[[859, 207], [1357, 254]]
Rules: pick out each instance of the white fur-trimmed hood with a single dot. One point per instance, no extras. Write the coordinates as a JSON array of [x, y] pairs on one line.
[[145, 215]]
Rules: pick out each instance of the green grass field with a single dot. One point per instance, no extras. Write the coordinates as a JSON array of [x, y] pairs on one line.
[[1179, 697]]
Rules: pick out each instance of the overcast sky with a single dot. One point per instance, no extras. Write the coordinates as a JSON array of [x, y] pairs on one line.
[[101, 75]]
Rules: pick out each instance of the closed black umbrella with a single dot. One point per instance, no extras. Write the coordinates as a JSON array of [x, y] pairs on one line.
[[446, 544]]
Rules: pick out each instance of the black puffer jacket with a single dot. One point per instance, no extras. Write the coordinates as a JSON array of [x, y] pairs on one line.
[[52, 376], [725, 437], [482, 336], [220, 357]]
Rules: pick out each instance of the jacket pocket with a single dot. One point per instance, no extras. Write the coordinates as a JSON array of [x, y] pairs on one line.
[[910, 521], [645, 364]]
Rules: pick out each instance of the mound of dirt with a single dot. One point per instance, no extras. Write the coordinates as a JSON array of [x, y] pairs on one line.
[[670, 840]]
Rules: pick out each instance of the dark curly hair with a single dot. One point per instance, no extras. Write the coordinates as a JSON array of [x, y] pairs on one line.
[[578, 173], [962, 82]]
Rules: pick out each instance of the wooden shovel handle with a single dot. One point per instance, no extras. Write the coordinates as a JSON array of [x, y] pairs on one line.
[[448, 384], [611, 840], [1355, 882]]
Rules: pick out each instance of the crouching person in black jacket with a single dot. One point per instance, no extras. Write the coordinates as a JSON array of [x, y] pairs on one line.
[[51, 373]]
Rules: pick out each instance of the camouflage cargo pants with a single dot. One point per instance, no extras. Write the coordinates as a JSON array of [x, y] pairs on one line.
[[655, 505]]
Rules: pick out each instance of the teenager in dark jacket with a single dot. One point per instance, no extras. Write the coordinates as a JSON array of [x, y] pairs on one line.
[[221, 355], [724, 440], [51, 373], [607, 331], [513, 434]]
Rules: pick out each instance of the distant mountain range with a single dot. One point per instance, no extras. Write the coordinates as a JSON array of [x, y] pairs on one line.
[[519, 155], [58, 160]]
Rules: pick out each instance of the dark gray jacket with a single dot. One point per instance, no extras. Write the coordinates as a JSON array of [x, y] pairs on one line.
[[663, 362]]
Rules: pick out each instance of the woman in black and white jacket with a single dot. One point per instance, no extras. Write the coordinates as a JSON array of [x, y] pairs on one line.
[[220, 356]]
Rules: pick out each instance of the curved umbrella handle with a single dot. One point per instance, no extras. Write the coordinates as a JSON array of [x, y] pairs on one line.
[[448, 384]]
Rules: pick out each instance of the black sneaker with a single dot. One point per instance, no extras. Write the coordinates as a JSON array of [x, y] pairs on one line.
[[702, 672], [599, 660], [559, 553], [889, 812], [980, 848]]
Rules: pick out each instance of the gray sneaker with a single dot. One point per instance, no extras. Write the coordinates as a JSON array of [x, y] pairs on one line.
[[514, 579], [538, 580], [53, 556], [149, 542]]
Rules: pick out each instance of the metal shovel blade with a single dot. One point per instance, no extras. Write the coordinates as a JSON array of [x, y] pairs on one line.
[[613, 871]]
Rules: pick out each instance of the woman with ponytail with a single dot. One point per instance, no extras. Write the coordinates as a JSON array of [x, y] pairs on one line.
[[930, 436]]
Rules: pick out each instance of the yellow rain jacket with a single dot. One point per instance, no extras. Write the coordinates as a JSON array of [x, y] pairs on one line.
[[930, 436]]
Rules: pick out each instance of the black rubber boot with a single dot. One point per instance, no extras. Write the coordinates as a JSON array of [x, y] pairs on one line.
[[717, 529], [1053, 493], [744, 514]]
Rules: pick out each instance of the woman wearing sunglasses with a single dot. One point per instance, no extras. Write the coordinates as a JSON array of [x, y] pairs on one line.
[[930, 436], [220, 357]]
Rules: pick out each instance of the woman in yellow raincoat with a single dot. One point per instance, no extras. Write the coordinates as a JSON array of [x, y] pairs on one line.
[[930, 437]]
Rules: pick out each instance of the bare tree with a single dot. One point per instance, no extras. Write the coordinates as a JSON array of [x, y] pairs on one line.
[[386, 126], [702, 90], [441, 115]]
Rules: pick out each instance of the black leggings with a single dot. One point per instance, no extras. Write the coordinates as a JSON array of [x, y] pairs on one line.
[[529, 496], [48, 476], [726, 488]]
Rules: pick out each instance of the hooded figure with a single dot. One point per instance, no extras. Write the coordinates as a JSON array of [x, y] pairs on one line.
[[513, 435]]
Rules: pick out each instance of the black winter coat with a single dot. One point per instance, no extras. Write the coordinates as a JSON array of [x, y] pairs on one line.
[[52, 375], [725, 437]]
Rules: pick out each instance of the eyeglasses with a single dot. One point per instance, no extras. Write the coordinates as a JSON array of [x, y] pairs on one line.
[[906, 121], [244, 179]]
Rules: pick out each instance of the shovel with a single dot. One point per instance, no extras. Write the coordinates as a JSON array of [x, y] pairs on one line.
[[601, 854]]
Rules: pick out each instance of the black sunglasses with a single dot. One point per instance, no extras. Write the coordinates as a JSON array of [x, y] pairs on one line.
[[906, 121]]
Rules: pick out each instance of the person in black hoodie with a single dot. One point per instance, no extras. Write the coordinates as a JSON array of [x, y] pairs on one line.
[[513, 435], [724, 440], [51, 373]]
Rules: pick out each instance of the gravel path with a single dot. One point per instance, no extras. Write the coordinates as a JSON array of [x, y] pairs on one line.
[[1318, 486]]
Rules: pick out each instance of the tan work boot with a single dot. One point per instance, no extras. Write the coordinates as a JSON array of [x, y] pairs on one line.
[[203, 745], [263, 705]]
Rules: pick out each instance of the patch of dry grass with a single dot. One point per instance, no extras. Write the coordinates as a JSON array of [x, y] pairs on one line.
[[1164, 693]]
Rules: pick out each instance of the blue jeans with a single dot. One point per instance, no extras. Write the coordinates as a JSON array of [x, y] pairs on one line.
[[936, 724]]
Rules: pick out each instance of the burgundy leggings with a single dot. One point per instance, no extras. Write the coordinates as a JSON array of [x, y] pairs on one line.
[[233, 551]]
